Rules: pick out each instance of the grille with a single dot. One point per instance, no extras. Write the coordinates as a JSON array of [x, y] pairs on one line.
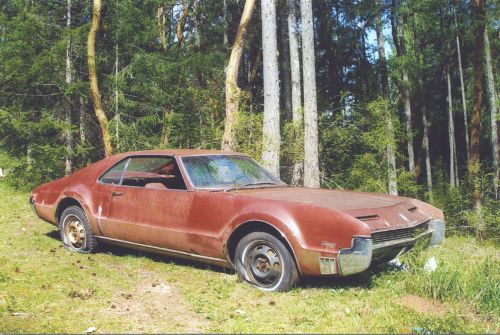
[[398, 234]]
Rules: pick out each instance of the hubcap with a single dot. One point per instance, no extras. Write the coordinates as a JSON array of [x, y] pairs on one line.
[[74, 231], [263, 264]]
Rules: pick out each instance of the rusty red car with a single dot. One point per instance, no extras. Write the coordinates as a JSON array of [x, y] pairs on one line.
[[225, 209]]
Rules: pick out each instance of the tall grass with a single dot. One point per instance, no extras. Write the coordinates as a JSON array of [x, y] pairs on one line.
[[463, 274]]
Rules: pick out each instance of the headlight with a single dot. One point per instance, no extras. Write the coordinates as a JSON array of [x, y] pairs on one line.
[[357, 258]]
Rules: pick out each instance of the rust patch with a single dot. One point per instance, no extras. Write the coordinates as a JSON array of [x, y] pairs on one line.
[[422, 305]]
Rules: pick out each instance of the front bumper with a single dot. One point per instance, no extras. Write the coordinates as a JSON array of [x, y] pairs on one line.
[[365, 251]]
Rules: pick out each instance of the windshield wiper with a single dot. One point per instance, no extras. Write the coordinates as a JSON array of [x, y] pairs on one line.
[[246, 185]]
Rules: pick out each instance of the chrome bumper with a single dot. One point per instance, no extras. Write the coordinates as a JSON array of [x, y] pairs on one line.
[[357, 258], [360, 256]]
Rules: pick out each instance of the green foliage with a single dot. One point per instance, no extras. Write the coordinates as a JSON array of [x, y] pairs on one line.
[[249, 133]]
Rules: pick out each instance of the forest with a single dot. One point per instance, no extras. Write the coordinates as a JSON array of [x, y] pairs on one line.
[[391, 96]]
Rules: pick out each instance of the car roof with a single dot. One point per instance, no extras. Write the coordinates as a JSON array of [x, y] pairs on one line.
[[178, 152]]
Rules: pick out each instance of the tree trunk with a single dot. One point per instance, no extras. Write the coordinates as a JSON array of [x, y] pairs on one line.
[[295, 83], [284, 54], [311, 159], [181, 23], [462, 88], [68, 136], [252, 76], [479, 13], [427, 154], [451, 133], [232, 89], [81, 122], [95, 95], [384, 81], [397, 25], [117, 111], [492, 102], [271, 126], [224, 22], [160, 22], [409, 130], [197, 24]]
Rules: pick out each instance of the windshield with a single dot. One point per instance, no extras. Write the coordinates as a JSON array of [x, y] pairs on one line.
[[227, 172]]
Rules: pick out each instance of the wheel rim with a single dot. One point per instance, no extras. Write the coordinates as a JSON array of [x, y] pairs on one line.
[[74, 232], [263, 264]]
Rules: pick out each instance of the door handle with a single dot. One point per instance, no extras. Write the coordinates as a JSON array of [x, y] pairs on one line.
[[116, 194]]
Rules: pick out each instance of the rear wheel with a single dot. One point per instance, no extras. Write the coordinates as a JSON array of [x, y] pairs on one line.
[[75, 230], [265, 262]]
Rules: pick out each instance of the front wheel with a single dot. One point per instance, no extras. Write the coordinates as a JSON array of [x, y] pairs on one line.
[[265, 262], [76, 233]]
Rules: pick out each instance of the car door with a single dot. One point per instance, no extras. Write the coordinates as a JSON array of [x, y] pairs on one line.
[[148, 206]]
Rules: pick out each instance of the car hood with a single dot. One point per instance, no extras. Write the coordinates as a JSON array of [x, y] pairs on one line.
[[378, 211]]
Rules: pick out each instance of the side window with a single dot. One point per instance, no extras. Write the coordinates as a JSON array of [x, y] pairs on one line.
[[155, 172], [114, 174]]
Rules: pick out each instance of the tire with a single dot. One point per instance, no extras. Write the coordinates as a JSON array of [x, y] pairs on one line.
[[265, 262], [75, 230]]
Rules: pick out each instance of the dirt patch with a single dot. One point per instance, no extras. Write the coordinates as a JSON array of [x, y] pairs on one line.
[[422, 305], [156, 307]]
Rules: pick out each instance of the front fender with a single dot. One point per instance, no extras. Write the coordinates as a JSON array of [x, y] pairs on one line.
[[311, 231]]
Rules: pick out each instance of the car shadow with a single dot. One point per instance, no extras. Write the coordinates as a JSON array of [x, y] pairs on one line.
[[362, 280]]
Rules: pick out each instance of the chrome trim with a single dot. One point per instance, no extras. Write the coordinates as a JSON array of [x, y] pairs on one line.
[[357, 258], [401, 241], [165, 251]]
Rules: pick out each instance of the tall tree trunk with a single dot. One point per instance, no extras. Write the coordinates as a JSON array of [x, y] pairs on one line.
[[427, 154], [409, 130], [479, 13], [224, 22], [451, 133], [197, 24], [492, 102], [181, 23], [271, 127], [117, 111], [252, 76], [232, 89], [398, 35], [284, 55], [81, 121], [95, 95], [295, 83], [384, 81], [68, 135], [462, 88], [425, 137], [311, 159], [160, 23]]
